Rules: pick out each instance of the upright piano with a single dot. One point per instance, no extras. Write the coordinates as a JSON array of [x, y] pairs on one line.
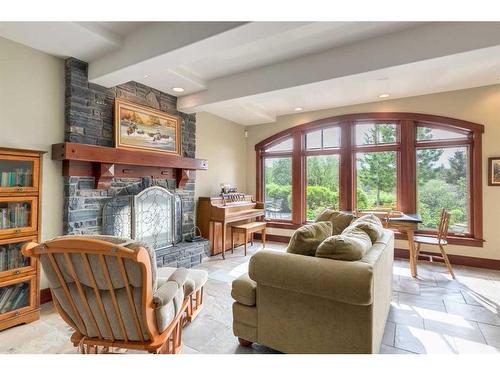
[[215, 214]]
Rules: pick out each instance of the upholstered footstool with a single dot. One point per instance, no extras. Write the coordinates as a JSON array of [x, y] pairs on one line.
[[245, 310], [193, 288]]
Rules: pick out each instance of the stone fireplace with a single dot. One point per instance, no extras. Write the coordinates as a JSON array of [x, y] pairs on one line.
[[87, 210]]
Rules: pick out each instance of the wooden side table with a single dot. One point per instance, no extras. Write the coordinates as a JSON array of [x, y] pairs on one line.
[[248, 229], [407, 223]]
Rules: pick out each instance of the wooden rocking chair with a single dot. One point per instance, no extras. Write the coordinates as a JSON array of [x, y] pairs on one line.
[[439, 241], [106, 289]]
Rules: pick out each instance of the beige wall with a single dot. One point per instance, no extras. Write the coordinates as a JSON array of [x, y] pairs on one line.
[[32, 117], [222, 143], [480, 105]]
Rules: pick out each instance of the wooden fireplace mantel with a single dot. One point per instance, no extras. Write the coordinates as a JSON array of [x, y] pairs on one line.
[[105, 163]]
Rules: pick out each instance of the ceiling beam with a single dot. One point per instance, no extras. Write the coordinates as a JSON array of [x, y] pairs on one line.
[[168, 45], [408, 46], [101, 32]]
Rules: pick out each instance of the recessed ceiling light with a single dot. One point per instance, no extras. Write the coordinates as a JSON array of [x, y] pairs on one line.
[[298, 109], [177, 89], [382, 96]]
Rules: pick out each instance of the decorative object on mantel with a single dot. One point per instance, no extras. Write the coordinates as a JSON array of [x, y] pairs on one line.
[[20, 202], [105, 163], [141, 127], [494, 171]]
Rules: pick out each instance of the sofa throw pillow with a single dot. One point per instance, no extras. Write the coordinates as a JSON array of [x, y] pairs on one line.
[[339, 220], [324, 215], [351, 245], [371, 224], [307, 238]]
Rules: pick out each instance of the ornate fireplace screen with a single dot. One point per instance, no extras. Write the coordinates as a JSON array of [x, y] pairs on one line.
[[153, 216]]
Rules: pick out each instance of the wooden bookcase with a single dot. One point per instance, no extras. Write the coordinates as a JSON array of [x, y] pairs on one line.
[[20, 203]]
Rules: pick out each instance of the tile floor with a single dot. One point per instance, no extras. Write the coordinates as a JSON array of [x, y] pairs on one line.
[[431, 314]]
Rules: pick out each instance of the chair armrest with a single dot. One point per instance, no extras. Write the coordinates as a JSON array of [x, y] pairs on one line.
[[342, 281], [180, 276], [167, 292]]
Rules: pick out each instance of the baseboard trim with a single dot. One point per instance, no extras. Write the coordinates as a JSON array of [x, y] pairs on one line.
[[45, 295], [459, 260], [274, 237]]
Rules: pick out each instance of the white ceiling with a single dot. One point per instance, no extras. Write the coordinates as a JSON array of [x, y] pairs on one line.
[[253, 72]]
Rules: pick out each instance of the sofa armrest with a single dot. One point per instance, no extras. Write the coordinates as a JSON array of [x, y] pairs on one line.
[[342, 281], [244, 290]]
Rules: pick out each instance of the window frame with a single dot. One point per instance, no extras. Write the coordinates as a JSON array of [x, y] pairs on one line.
[[276, 155], [405, 147]]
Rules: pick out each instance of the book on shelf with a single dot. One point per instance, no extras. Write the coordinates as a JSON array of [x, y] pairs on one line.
[[15, 215], [20, 299], [5, 297], [17, 177], [13, 297], [11, 257]]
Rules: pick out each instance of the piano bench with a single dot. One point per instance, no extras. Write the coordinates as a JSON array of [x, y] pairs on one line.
[[248, 229]]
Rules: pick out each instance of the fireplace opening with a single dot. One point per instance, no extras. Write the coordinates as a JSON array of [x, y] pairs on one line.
[[153, 216]]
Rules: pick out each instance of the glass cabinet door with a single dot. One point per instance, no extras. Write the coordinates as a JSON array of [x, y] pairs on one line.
[[18, 215], [16, 296], [12, 261], [18, 173]]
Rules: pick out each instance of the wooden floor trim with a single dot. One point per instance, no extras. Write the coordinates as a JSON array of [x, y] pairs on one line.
[[273, 238], [45, 295], [459, 260]]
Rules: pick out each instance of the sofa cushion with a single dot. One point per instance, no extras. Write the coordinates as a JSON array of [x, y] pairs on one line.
[[370, 224], [351, 245], [244, 290], [307, 238], [339, 220]]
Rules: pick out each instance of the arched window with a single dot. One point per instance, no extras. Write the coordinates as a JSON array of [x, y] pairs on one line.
[[410, 162]]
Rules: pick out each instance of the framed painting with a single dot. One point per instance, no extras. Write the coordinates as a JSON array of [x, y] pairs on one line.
[[494, 171], [145, 128]]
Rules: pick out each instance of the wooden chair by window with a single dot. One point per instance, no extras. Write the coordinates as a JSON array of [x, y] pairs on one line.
[[106, 288], [439, 241], [274, 208], [382, 213]]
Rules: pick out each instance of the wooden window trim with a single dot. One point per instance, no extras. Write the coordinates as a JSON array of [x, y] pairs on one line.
[[406, 148]]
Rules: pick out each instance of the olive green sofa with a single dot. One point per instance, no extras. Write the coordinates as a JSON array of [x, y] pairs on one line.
[[305, 304]]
